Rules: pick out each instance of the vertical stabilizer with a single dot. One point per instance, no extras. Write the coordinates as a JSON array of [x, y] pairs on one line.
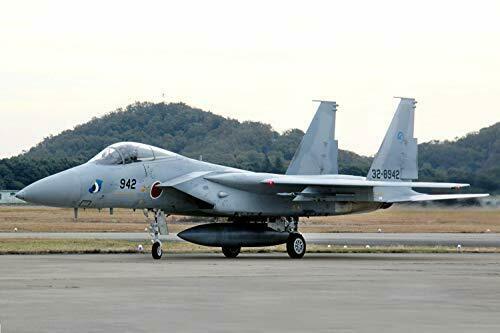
[[396, 158], [318, 151]]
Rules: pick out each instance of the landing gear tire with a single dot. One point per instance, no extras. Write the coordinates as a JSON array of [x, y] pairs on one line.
[[296, 246], [231, 251], [156, 250]]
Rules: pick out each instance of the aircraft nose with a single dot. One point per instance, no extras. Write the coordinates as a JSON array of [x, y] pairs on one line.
[[60, 190], [20, 195]]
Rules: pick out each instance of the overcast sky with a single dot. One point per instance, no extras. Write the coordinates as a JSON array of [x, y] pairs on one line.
[[64, 62]]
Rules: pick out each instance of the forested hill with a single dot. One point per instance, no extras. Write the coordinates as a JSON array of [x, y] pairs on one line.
[[177, 127], [474, 158], [248, 145]]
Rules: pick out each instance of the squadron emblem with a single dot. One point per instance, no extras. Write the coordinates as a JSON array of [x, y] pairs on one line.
[[96, 187]]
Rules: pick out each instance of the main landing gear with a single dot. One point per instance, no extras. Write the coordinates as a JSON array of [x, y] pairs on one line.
[[272, 231], [296, 245], [231, 251]]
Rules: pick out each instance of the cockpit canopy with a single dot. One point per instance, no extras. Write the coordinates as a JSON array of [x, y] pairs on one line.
[[129, 152]]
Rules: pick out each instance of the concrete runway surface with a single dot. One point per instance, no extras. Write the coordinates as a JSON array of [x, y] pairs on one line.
[[255, 292], [373, 239]]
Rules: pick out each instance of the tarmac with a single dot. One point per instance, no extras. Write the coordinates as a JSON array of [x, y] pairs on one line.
[[255, 292], [353, 239]]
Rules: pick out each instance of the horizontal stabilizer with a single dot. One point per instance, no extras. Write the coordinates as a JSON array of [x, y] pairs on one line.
[[432, 197]]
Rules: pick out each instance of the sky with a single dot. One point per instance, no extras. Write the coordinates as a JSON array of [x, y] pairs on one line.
[[65, 62]]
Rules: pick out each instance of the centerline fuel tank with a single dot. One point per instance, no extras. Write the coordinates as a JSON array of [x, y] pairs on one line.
[[234, 234]]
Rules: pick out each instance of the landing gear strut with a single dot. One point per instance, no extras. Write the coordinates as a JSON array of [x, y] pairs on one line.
[[231, 251], [155, 228], [296, 245]]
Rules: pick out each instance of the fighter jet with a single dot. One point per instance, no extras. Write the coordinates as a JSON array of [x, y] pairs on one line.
[[260, 209]]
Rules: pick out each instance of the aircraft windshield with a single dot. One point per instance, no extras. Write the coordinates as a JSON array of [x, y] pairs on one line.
[[129, 152], [108, 156]]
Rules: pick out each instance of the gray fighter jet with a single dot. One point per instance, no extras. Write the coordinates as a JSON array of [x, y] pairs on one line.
[[262, 209]]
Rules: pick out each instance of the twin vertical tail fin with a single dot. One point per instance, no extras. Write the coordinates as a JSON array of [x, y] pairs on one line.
[[318, 151], [396, 159]]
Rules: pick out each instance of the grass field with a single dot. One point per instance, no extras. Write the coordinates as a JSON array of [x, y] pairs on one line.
[[80, 246], [395, 219]]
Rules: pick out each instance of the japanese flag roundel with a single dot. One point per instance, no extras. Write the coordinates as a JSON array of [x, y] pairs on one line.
[[156, 191]]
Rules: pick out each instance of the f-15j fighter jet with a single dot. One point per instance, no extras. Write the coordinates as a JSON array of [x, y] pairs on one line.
[[262, 209]]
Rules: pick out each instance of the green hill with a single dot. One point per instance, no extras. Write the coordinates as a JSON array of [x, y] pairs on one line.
[[474, 158], [249, 145]]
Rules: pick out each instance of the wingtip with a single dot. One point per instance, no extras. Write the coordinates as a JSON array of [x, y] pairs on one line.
[[324, 101], [406, 98], [332, 103]]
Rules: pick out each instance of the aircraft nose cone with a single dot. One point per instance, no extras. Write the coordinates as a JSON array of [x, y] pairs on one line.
[[20, 195], [60, 190]]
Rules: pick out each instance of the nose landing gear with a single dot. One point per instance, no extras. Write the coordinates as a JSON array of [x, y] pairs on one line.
[[156, 250], [157, 226]]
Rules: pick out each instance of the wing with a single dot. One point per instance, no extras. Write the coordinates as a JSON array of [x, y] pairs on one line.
[[353, 182], [371, 190], [336, 187]]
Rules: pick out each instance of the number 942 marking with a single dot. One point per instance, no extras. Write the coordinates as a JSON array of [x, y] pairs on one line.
[[385, 174], [128, 183]]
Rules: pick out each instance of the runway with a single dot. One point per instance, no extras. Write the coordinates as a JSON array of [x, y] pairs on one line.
[[354, 239], [266, 292]]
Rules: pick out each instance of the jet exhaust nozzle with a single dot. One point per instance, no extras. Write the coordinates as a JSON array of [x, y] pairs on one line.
[[234, 234]]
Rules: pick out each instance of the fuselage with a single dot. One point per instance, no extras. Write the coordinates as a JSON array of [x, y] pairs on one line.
[[134, 185]]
